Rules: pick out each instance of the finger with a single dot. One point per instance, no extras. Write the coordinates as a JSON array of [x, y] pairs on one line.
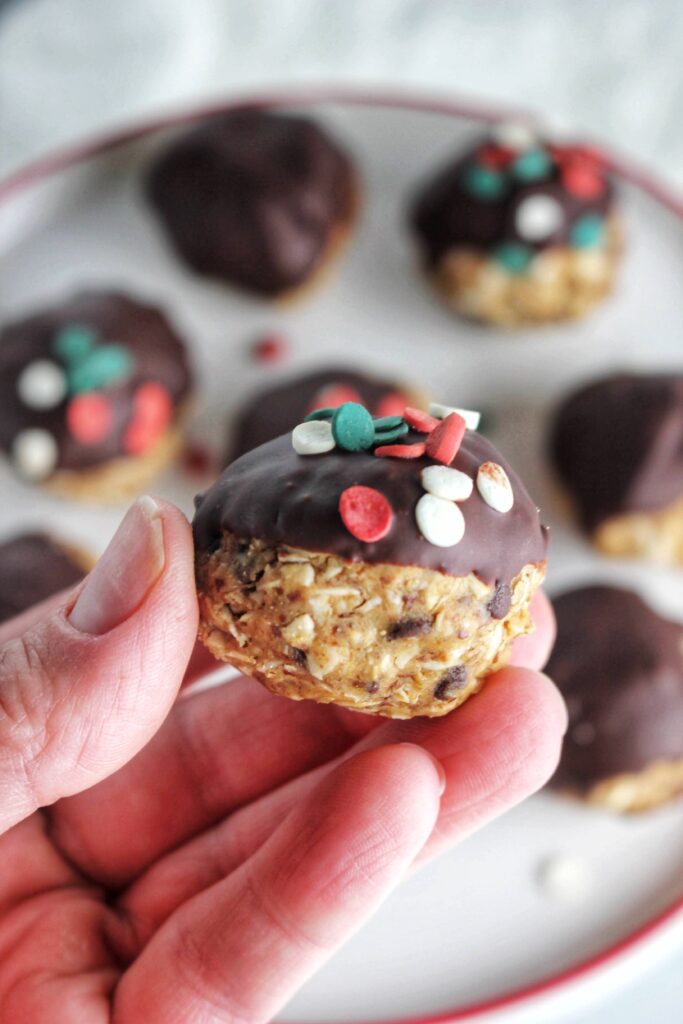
[[82, 690], [533, 650], [240, 950], [498, 748]]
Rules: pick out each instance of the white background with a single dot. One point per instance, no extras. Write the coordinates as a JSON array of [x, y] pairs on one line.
[[611, 68]]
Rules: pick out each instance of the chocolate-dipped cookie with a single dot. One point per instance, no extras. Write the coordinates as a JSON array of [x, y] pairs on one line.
[[94, 392], [383, 564], [617, 445], [275, 410], [256, 199], [519, 230], [619, 666], [33, 567]]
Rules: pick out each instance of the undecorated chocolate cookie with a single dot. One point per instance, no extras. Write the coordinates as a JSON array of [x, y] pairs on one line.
[[384, 564], [619, 666], [33, 567]]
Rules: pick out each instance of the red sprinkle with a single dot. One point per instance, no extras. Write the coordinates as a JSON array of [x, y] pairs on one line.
[[366, 513], [582, 180], [419, 420], [197, 459], [401, 451], [391, 404], [89, 417], [334, 396], [570, 154], [494, 156], [152, 412], [444, 441], [271, 348]]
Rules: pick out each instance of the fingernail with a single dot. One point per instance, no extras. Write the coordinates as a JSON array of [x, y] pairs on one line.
[[125, 573], [438, 767]]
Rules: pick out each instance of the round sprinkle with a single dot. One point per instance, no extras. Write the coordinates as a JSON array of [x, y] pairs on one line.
[[444, 482], [387, 436], [419, 420], [34, 453], [583, 180], [391, 404], [320, 414], [587, 232], [445, 440], [105, 365], [401, 451], [271, 348], [366, 513], [73, 342], [494, 486], [89, 418], [313, 437], [514, 257], [333, 396], [42, 385], [532, 165], [483, 182], [494, 156], [470, 416], [564, 877], [513, 135], [388, 422], [439, 521], [352, 427], [152, 413], [538, 217]]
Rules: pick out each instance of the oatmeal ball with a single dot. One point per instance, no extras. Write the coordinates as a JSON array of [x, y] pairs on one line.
[[519, 230], [384, 564], [256, 199], [33, 567], [94, 392], [617, 445], [619, 666]]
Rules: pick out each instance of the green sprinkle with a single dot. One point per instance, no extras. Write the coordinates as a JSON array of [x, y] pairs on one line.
[[320, 414], [483, 182], [531, 165], [352, 427], [73, 343], [387, 436], [513, 256], [587, 231], [105, 365], [388, 422]]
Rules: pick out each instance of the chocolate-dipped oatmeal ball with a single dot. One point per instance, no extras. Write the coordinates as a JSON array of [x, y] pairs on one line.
[[256, 199], [33, 567], [383, 564], [94, 393], [620, 668], [275, 410], [519, 230], [617, 445]]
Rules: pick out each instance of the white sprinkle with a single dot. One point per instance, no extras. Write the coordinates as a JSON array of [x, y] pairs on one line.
[[439, 521], [41, 385], [564, 877], [34, 453], [313, 437], [440, 412], [537, 217], [514, 135], [444, 482], [494, 486]]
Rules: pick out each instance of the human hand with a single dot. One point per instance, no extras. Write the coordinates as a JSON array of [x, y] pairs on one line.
[[195, 860]]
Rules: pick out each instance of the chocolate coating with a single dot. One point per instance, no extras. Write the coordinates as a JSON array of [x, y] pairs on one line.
[[157, 354], [253, 197], [445, 215], [617, 444], [620, 668], [275, 410], [33, 567], [273, 494]]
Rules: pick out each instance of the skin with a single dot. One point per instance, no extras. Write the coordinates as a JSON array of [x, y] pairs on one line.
[[194, 858]]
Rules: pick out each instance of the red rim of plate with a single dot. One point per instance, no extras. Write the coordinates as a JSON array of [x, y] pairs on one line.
[[622, 165]]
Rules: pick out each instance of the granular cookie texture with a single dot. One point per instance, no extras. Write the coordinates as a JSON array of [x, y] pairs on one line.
[[391, 640]]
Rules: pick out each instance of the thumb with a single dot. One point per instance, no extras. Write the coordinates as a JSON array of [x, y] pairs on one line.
[[82, 691]]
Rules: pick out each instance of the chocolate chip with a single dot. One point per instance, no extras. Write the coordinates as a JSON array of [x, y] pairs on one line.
[[298, 655], [499, 605], [451, 683], [409, 627]]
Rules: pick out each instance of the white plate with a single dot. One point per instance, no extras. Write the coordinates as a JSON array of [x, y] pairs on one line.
[[476, 925]]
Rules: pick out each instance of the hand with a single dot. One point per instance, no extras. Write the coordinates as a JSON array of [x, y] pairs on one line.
[[195, 860]]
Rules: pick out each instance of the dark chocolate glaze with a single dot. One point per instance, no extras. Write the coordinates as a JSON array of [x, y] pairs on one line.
[[32, 568], [620, 669], [252, 197], [618, 445], [444, 215], [275, 410], [157, 352], [275, 495]]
